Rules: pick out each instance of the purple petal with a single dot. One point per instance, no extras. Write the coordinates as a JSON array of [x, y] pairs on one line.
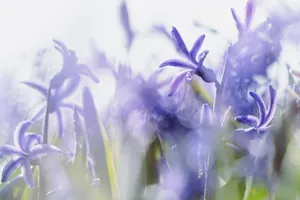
[[61, 46], [177, 80], [70, 87], [179, 42], [27, 173], [205, 115], [178, 63], [238, 23], [59, 123], [249, 13], [8, 150], [272, 106], [201, 58], [19, 134], [31, 140], [196, 47], [40, 88], [83, 69], [41, 150], [247, 120], [261, 108], [10, 167]]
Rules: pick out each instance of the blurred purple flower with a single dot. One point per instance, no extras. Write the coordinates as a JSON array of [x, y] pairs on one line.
[[193, 65], [71, 69], [28, 146], [249, 13], [56, 100]]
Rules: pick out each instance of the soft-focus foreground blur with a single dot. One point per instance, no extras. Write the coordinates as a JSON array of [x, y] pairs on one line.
[[150, 99]]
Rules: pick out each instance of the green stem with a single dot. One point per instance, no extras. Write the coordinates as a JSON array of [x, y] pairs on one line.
[[41, 181]]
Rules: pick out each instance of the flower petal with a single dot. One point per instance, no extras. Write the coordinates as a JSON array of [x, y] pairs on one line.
[[238, 23], [261, 108], [31, 140], [19, 134], [249, 13], [177, 63], [179, 42], [27, 173], [196, 47], [206, 115], [10, 167], [40, 88], [41, 150], [177, 80], [83, 69], [61, 46], [8, 150], [70, 87], [201, 58], [60, 128], [272, 106], [249, 120]]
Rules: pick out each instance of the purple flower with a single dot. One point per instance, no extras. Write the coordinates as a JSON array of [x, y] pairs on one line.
[[249, 13], [71, 69], [193, 64], [56, 100], [27, 146], [259, 124]]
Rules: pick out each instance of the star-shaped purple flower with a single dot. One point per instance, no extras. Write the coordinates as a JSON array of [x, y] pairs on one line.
[[28, 146], [260, 124], [56, 101], [192, 65], [71, 69]]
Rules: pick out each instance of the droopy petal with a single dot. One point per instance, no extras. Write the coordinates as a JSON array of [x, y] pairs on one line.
[[83, 69], [10, 167], [8, 150], [177, 80], [179, 42], [261, 107], [177, 63], [247, 120], [196, 47], [27, 173], [19, 134], [205, 115], [40, 88], [41, 150], [272, 106]]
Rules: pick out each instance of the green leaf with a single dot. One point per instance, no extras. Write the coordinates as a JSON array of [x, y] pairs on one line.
[[100, 147], [12, 189]]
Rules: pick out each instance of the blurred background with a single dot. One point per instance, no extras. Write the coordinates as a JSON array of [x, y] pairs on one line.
[[93, 26]]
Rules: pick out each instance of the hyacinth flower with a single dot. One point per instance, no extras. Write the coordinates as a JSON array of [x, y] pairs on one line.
[[27, 147], [259, 125], [250, 8], [56, 101], [192, 65], [71, 68]]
